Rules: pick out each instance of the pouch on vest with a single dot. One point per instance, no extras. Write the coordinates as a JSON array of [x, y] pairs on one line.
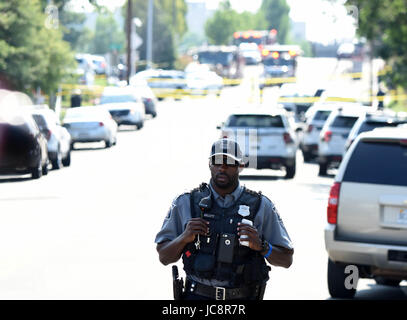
[[204, 262]]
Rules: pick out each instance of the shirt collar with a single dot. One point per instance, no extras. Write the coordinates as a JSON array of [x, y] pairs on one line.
[[235, 194]]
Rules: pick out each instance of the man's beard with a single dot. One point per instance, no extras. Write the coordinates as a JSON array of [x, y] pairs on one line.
[[225, 183]]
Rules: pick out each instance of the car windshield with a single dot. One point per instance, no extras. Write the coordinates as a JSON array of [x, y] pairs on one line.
[[344, 122], [117, 99], [255, 121], [41, 123], [322, 115], [223, 58], [370, 125]]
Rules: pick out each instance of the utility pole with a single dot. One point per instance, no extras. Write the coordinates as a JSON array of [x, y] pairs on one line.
[[129, 21], [150, 17]]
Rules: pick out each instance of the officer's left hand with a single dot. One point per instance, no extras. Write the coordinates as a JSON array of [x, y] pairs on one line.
[[253, 236]]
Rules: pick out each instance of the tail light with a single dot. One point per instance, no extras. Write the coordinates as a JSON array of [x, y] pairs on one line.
[[287, 138], [327, 136], [48, 134], [332, 210], [309, 128], [101, 124]]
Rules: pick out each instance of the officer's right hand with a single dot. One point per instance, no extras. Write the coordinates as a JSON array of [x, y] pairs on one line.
[[195, 226]]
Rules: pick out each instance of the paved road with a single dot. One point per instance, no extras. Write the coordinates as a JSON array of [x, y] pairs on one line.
[[87, 231]]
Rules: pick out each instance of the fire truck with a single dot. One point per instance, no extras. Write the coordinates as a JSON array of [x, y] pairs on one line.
[[279, 61], [260, 37]]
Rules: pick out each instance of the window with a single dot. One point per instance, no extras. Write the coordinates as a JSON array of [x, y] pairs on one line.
[[255, 121], [322, 115], [378, 163], [344, 122]]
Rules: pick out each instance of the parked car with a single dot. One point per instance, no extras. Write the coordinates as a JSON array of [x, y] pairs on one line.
[[372, 120], [23, 147], [315, 120], [250, 52], [164, 83], [267, 139], [90, 124], [367, 212], [203, 83], [58, 137], [147, 95], [334, 133], [124, 105]]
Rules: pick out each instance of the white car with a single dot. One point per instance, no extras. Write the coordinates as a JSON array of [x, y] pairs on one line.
[[366, 233], [315, 117], [266, 138], [58, 137], [334, 133], [203, 83], [90, 124], [125, 105]]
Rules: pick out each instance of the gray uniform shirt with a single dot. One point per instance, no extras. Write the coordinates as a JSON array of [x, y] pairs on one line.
[[267, 221]]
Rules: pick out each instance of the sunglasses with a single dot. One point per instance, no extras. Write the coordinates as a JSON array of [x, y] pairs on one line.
[[216, 161]]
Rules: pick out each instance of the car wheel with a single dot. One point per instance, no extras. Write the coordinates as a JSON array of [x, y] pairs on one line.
[[307, 156], [336, 281], [323, 169], [290, 172], [67, 160], [57, 162], [45, 168], [387, 282], [108, 143], [36, 173]]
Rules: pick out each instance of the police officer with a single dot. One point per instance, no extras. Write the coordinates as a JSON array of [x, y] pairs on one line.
[[225, 233]]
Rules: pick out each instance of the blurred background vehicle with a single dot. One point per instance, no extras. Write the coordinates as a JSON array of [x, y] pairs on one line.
[[147, 95], [315, 117], [226, 61], [334, 134], [85, 69], [164, 83], [203, 83], [266, 135], [125, 105], [23, 146], [367, 212], [372, 120], [58, 137], [90, 124], [250, 53]]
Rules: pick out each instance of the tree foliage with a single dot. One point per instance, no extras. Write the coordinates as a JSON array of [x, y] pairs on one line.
[[276, 16], [384, 24], [169, 25], [31, 54], [273, 14]]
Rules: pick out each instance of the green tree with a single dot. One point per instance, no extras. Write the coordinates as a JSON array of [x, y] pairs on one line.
[[169, 26], [108, 36], [31, 54], [220, 27], [276, 16], [384, 25]]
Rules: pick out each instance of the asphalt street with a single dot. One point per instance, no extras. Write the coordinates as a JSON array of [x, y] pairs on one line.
[[87, 231]]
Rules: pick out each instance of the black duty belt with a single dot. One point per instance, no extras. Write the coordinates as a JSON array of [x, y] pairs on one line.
[[221, 293]]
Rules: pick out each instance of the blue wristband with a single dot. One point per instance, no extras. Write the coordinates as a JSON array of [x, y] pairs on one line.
[[269, 252]]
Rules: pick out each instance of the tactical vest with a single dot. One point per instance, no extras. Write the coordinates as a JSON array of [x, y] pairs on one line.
[[207, 260]]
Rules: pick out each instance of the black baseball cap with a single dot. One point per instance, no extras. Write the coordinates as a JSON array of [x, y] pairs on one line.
[[226, 147]]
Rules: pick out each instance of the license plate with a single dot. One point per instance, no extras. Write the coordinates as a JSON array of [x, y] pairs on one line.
[[402, 217]]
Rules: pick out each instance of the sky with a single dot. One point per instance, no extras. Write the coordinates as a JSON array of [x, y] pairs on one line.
[[325, 21]]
